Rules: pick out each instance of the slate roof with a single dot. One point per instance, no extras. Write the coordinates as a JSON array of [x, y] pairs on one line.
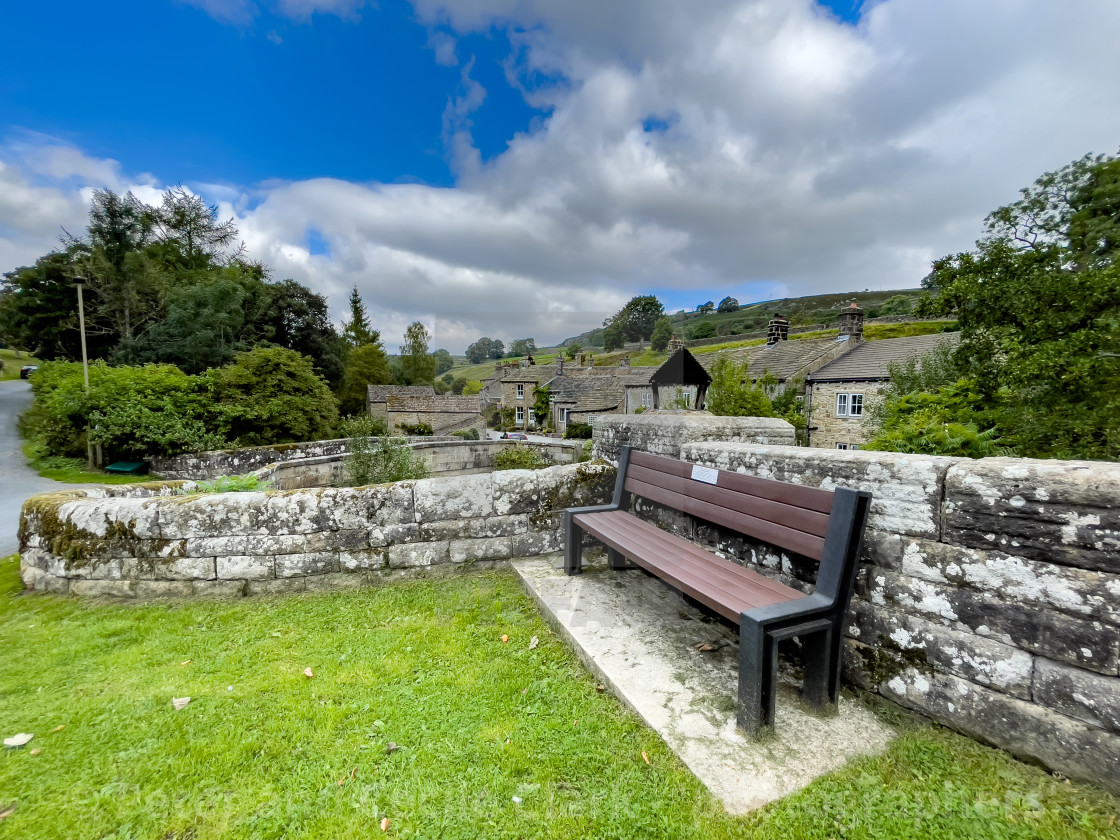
[[378, 393], [599, 391], [782, 360], [871, 360]]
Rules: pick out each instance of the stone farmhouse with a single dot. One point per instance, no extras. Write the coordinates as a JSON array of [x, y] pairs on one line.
[[410, 405], [842, 393]]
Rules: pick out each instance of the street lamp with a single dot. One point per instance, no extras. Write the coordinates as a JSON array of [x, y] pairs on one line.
[[80, 283]]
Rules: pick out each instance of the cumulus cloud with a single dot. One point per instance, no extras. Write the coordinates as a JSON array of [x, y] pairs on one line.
[[244, 12], [748, 147]]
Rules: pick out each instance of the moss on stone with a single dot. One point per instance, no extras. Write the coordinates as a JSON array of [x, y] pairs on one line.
[[889, 660]]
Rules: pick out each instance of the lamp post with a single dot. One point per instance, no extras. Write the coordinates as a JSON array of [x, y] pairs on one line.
[[79, 282]]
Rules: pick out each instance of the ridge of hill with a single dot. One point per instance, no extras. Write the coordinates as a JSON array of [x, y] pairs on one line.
[[809, 309]]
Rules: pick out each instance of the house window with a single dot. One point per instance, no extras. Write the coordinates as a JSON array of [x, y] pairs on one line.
[[854, 446], [849, 405], [520, 412], [841, 446], [647, 399], [591, 418], [562, 415], [521, 392]]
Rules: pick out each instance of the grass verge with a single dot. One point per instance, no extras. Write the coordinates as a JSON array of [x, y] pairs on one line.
[[72, 470], [496, 739], [13, 364]]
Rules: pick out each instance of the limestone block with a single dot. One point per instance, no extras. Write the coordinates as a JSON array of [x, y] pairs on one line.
[[487, 548], [515, 491], [103, 588], [379, 536], [1089, 644], [245, 567], [359, 508], [1079, 751], [39, 581], [44, 561], [1030, 582], [276, 587], [222, 589], [311, 542], [666, 434], [454, 498], [1053, 511], [295, 512], [537, 542], [897, 639], [179, 568], [1088, 697], [113, 517], [216, 546], [412, 555], [575, 485], [213, 515], [490, 526], [906, 489], [164, 589], [301, 565], [881, 548], [358, 561]]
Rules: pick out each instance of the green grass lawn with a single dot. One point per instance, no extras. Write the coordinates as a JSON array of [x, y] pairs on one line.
[[12, 364], [73, 470], [496, 739]]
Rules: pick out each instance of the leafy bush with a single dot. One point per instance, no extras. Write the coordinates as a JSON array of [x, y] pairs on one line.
[[732, 394], [466, 434], [578, 431], [956, 420], [379, 460], [520, 457], [416, 429]]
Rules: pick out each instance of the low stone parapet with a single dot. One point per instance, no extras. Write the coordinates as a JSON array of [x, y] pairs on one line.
[[141, 541], [665, 434]]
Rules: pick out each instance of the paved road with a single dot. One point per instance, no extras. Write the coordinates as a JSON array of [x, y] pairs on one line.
[[17, 480]]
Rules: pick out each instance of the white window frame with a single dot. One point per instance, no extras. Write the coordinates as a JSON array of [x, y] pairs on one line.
[[849, 405], [647, 399], [562, 415], [591, 418], [519, 416], [842, 446], [520, 391]]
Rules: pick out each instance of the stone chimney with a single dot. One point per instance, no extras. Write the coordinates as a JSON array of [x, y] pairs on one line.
[[624, 362], [851, 322], [777, 330], [560, 365], [675, 344]]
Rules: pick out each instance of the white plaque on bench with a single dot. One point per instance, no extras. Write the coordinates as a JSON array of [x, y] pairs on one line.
[[705, 474]]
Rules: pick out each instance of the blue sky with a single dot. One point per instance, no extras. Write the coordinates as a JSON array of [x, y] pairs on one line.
[[479, 164]]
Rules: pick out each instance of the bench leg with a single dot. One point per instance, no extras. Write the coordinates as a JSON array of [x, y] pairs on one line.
[[816, 652], [758, 678], [573, 546], [615, 560]]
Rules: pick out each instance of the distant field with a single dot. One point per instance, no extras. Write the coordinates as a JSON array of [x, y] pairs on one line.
[[12, 364]]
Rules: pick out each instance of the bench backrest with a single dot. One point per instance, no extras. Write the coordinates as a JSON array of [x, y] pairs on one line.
[[823, 525]]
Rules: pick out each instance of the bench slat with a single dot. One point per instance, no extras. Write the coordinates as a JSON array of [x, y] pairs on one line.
[[797, 495], [809, 545], [718, 584], [799, 518]]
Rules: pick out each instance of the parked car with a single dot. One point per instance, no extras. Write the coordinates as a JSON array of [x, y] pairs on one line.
[[27, 370], [514, 436]]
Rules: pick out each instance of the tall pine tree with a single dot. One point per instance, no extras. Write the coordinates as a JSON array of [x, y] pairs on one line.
[[357, 332]]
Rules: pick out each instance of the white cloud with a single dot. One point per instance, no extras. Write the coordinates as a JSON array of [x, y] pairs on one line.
[[244, 12], [790, 154]]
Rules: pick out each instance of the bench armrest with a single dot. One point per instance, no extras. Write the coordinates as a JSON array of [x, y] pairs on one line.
[[590, 509], [789, 611]]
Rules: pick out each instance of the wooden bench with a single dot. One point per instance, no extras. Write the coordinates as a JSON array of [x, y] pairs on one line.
[[824, 525]]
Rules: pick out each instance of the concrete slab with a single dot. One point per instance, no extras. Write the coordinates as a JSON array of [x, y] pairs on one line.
[[639, 636]]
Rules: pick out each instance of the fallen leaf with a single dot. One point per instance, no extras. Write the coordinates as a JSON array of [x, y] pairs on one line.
[[705, 647], [505, 638], [179, 702], [524, 690], [307, 672], [7, 812], [645, 757], [575, 723], [186, 662], [58, 728], [385, 824], [731, 764], [600, 688], [535, 641], [18, 740], [391, 748], [36, 752]]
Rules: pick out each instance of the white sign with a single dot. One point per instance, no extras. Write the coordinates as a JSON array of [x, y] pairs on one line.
[[705, 474]]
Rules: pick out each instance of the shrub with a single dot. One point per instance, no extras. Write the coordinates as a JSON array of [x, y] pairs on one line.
[[467, 434], [416, 429], [380, 460], [578, 431], [520, 457], [229, 484]]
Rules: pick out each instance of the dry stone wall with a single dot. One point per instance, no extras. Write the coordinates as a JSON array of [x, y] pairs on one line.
[[141, 541], [989, 596], [665, 434]]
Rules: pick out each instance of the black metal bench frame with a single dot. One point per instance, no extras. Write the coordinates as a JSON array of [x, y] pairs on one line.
[[820, 524]]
